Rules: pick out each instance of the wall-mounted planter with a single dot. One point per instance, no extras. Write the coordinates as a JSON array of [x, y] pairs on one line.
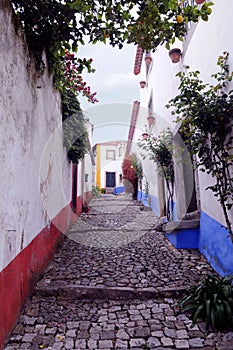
[[199, 2], [150, 120], [148, 59], [142, 84], [145, 136], [175, 55], [183, 234]]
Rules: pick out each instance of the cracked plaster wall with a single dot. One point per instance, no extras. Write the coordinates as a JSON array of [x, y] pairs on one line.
[[32, 183]]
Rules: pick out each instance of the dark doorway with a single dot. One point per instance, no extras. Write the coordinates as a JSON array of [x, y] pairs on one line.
[[110, 179], [74, 188]]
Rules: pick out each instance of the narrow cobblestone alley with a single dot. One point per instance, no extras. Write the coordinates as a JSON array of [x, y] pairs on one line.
[[113, 285]]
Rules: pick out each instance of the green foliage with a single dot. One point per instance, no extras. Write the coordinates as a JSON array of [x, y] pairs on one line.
[[205, 114], [57, 25], [160, 150], [132, 171], [95, 191], [212, 301], [74, 128]]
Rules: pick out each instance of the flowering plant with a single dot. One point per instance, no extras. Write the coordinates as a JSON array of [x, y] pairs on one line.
[[72, 80]]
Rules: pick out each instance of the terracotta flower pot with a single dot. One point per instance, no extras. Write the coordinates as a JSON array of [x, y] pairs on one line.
[[175, 55], [142, 84], [150, 120], [199, 2], [145, 136], [148, 59]]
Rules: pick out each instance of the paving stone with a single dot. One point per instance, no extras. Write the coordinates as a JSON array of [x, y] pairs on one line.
[[143, 332], [181, 344], [105, 344], [137, 342], [171, 333], [182, 334], [28, 337], [81, 343], [166, 341], [122, 334], [121, 344], [196, 342], [114, 247], [153, 342]]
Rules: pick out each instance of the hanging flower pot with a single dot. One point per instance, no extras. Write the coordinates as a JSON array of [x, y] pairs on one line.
[[175, 55], [142, 84], [145, 136], [148, 59], [150, 120], [199, 2]]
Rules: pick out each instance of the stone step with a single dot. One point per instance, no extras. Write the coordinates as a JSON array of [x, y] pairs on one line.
[[111, 293]]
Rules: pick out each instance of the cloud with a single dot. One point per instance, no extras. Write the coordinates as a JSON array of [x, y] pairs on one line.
[[113, 80]]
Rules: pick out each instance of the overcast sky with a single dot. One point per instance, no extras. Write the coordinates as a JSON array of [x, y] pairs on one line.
[[116, 86]]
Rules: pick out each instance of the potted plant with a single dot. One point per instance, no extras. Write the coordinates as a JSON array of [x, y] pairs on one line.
[[142, 84], [175, 55], [145, 135], [148, 59], [150, 120]]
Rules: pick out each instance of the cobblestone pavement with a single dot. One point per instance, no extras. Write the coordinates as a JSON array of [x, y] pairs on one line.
[[113, 285]]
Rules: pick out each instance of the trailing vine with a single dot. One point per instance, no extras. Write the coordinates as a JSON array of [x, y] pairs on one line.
[[205, 114], [160, 150], [74, 128]]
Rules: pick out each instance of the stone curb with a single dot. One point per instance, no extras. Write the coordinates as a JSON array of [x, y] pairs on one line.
[[86, 292]]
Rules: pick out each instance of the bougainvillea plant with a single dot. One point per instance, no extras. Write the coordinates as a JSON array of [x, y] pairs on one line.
[[132, 171], [72, 80]]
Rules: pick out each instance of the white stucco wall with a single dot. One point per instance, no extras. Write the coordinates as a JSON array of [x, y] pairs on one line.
[[209, 41], [199, 51], [109, 165], [35, 176]]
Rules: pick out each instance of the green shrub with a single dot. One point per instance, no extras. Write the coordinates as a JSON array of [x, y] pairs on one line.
[[212, 301], [95, 191]]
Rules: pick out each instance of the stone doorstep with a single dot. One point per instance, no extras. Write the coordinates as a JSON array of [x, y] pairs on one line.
[[86, 292], [180, 225]]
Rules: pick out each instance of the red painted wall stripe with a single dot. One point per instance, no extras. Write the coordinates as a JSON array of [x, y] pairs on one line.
[[18, 278]]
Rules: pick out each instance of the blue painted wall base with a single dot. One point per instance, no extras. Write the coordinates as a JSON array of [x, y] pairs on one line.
[[118, 190], [185, 238], [216, 245]]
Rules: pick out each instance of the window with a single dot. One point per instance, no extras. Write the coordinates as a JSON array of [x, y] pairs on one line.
[[110, 154], [150, 107], [121, 151]]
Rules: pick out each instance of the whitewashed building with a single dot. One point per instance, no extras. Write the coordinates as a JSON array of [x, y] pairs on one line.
[[40, 197], [204, 43]]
